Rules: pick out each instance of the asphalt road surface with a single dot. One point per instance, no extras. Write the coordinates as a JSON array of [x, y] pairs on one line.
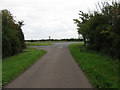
[[56, 69]]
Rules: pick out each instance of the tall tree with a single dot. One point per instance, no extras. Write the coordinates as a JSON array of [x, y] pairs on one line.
[[12, 35], [100, 30]]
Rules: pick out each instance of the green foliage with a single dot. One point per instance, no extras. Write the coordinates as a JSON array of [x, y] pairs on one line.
[[100, 30], [12, 35], [13, 66], [47, 40], [101, 70]]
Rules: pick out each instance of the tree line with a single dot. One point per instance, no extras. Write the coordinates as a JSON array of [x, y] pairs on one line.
[[42, 40], [12, 35], [101, 29]]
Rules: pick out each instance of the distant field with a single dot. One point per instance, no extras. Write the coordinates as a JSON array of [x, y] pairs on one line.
[[37, 43], [13, 66], [66, 41], [100, 69]]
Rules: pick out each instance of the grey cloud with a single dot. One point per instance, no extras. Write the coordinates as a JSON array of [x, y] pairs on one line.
[[45, 18]]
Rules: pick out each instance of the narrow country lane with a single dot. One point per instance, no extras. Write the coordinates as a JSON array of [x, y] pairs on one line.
[[56, 69]]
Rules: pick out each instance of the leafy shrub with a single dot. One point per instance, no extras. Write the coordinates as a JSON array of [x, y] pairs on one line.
[[12, 35]]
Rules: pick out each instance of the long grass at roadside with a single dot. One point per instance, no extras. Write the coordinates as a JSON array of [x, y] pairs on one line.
[[100, 69], [13, 66]]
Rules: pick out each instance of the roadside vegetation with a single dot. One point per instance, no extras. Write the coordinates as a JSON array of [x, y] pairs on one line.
[[101, 28], [12, 35], [14, 65], [16, 58], [100, 56], [100, 69]]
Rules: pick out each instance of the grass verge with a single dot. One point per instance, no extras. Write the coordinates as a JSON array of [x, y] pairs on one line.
[[13, 66], [100, 69], [36, 43]]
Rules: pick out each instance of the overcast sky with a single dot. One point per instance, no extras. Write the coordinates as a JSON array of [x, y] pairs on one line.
[[44, 18]]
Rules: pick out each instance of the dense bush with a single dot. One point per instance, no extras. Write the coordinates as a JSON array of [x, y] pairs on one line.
[[12, 35], [101, 29]]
